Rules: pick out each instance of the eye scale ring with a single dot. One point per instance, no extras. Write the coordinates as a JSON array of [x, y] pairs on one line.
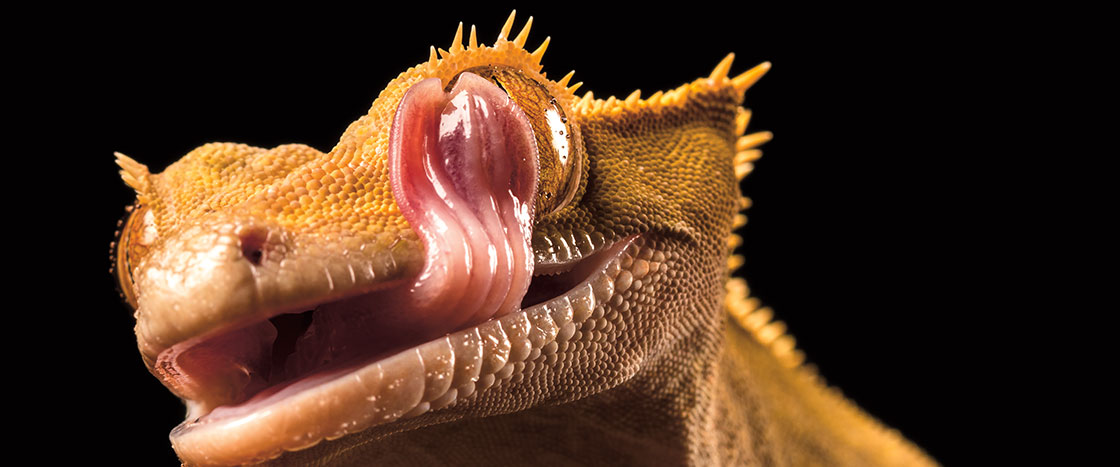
[[136, 234]]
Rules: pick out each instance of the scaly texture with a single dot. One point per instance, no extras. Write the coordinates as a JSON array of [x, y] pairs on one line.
[[634, 348]]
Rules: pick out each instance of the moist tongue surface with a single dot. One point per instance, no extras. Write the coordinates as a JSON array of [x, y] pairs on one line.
[[463, 165]]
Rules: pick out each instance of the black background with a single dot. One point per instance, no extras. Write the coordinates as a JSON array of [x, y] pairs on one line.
[[868, 236]]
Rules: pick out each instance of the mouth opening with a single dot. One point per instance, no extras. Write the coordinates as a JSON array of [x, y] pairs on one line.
[[293, 351], [289, 329]]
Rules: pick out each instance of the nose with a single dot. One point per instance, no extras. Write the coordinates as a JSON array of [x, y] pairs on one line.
[[254, 241]]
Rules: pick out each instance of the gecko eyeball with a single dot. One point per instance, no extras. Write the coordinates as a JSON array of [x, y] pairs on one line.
[[136, 234], [559, 147]]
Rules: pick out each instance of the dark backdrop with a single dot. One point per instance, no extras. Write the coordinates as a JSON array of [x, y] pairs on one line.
[[864, 230]]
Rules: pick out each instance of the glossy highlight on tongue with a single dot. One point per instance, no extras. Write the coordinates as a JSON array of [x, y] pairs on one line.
[[463, 167]]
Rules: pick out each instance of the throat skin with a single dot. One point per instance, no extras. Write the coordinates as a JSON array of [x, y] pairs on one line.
[[676, 364]]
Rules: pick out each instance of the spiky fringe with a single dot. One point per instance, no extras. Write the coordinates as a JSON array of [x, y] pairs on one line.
[[758, 321]]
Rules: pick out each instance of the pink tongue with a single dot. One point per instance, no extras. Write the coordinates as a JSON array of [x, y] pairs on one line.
[[463, 168]]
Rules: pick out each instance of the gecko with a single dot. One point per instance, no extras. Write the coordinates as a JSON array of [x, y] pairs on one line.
[[486, 267]]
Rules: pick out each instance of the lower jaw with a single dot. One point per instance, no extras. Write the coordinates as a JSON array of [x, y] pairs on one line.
[[408, 383]]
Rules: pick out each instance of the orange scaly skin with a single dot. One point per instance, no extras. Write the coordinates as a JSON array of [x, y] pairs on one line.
[[671, 363]]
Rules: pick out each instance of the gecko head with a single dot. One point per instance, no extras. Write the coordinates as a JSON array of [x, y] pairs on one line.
[[481, 238]]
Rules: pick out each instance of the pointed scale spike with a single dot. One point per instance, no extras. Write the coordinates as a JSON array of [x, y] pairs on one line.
[[749, 77], [734, 240], [568, 77], [522, 36], [742, 119], [581, 106], [539, 53], [443, 53], [738, 309], [736, 299], [669, 98], [753, 303], [655, 98], [679, 95], [473, 41], [457, 42], [724, 66], [753, 140], [783, 345], [771, 331], [584, 102], [759, 318], [734, 262], [737, 287], [134, 174], [748, 156], [795, 359], [505, 28], [742, 170], [589, 101], [633, 97], [433, 58], [572, 88], [130, 164]]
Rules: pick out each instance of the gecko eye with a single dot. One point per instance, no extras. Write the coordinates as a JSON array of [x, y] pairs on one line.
[[136, 234], [559, 147]]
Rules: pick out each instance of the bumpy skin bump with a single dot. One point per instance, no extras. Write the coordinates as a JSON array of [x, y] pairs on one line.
[[675, 366]]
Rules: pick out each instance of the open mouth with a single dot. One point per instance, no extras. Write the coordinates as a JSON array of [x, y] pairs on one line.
[[463, 173], [300, 404], [240, 369]]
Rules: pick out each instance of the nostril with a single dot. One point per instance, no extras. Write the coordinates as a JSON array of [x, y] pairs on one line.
[[252, 245], [255, 256]]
